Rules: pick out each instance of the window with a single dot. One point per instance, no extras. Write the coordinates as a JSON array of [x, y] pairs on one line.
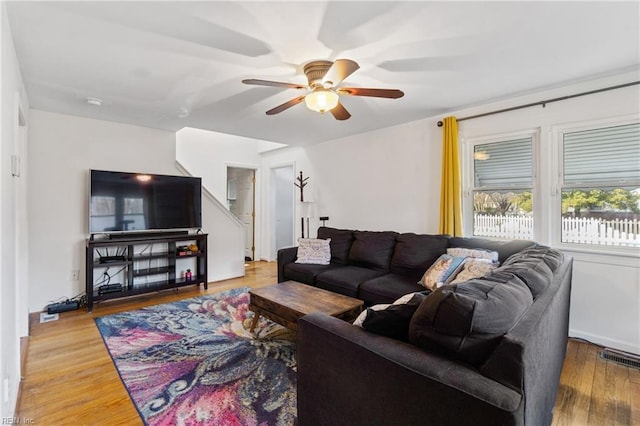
[[600, 186], [134, 217], [103, 213], [503, 181]]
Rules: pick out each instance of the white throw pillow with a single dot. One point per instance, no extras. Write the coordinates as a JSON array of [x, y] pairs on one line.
[[475, 253], [314, 251]]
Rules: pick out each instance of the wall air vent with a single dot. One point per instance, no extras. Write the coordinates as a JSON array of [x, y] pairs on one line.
[[623, 358]]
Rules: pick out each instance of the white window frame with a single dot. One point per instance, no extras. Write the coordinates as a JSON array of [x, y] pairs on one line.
[[557, 185], [468, 182]]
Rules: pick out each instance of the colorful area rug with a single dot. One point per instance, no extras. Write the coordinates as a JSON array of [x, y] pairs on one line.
[[194, 362]]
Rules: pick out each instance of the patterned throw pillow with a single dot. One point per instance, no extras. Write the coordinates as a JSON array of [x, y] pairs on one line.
[[314, 251], [442, 271], [474, 268]]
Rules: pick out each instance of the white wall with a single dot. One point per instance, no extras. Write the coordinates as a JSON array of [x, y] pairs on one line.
[[208, 154], [282, 179], [13, 232], [388, 179], [225, 254], [62, 149]]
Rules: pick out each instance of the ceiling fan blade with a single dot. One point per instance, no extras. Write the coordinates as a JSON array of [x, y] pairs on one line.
[[340, 112], [273, 83], [376, 93], [341, 69], [286, 105]]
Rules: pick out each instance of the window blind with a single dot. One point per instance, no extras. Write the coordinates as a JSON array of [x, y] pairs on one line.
[[605, 155], [504, 164]]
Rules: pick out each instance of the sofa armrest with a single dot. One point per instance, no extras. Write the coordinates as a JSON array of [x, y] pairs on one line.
[[348, 376], [285, 255]]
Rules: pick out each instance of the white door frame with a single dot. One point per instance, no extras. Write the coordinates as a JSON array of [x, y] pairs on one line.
[[253, 233], [272, 208]]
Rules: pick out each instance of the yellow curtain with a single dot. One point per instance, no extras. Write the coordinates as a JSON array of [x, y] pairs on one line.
[[450, 200]]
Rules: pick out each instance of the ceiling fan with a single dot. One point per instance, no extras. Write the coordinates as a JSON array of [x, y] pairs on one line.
[[323, 91]]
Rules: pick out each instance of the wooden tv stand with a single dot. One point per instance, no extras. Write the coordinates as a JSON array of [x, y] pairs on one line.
[[142, 264]]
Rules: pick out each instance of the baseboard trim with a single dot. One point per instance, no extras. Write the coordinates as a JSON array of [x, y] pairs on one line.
[[605, 342], [34, 318], [24, 350]]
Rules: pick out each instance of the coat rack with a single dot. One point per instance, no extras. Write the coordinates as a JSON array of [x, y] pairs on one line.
[[302, 182]]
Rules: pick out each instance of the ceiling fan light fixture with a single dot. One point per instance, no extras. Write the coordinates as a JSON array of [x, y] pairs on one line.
[[321, 100]]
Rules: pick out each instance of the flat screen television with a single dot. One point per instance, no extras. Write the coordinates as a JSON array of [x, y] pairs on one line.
[[123, 202]]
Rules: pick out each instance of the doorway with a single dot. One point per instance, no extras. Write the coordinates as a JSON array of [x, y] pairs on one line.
[[241, 200], [283, 207]]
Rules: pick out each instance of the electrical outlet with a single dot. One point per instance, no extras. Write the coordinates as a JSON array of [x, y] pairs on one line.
[[75, 275], [45, 317]]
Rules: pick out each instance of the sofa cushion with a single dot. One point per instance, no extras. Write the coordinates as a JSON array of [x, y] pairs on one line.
[[304, 273], [345, 279], [467, 320], [387, 288], [372, 249], [504, 248], [553, 258], [534, 266], [314, 251], [536, 275], [413, 253], [341, 240], [391, 320]]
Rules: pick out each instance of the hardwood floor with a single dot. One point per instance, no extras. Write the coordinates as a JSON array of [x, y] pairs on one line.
[[594, 391], [70, 378]]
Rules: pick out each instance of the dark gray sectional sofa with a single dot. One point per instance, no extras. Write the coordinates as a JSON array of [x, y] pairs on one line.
[[379, 267], [488, 351]]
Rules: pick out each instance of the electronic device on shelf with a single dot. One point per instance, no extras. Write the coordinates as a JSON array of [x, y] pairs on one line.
[[109, 288], [111, 259], [122, 202]]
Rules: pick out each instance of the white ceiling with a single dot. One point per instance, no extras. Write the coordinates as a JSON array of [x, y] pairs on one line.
[[153, 62]]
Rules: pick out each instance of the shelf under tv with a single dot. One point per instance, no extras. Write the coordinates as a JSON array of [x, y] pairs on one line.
[[136, 266]]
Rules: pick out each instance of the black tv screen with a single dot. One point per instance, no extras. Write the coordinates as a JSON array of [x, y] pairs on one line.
[[132, 202]]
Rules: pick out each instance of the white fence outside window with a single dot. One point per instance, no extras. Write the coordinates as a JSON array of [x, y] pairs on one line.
[[617, 232]]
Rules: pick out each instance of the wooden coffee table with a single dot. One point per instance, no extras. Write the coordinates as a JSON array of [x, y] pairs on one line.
[[287, 301]]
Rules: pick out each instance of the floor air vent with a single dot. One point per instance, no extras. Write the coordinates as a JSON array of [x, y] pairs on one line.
[[623, 358]]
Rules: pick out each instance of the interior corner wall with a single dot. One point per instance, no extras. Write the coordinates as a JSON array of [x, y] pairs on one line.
[[388, 179], [62, 150], [605, 295], [208, 154], [13, 303]]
